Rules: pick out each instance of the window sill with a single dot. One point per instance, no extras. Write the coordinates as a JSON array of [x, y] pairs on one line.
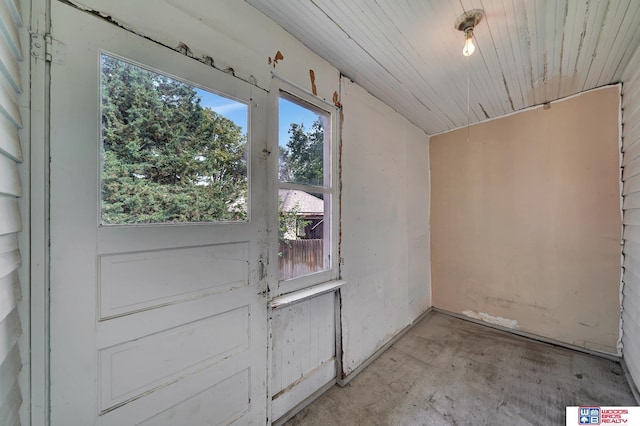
[[305, 294]]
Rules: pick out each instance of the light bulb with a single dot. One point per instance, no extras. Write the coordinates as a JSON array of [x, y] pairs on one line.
[[469, 47]]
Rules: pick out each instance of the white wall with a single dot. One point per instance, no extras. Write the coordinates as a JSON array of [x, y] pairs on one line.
[[385, 224], [631, 219]]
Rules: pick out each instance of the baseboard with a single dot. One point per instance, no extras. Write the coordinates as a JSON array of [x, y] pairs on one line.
[[632, 383], [342, 381], [532, 336], [308, 400]]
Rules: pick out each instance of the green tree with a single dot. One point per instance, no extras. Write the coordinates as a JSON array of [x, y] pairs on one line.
[[165, 157], [290, 223], [302, 160]]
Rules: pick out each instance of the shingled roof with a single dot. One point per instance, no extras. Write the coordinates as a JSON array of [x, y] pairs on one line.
[[306, 203]]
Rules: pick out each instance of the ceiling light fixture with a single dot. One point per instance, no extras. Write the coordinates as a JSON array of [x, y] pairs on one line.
[[466, 23], [469, 47]]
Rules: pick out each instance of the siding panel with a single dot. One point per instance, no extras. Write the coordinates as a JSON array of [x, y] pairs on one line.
[[9, 143], [8, 101], [631, 216], [10, 28], [9, 368], [9, 177], [14, 8], [630, 170], [630, 279], [10, 293], [9, 215], [632, 201], [631, 153], [9, 331], [631, 185], [631, 233], [10, 224], [631, 112], [10, 406], [631, 211], [9, 69]]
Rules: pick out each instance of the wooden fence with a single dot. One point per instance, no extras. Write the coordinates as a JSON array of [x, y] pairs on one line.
[[300, 257]]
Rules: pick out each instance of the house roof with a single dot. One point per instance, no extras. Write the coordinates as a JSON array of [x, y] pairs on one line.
[[306, 203]]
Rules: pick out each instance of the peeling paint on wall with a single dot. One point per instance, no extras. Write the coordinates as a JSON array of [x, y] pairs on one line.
[[184, 49], [208, 60], [484, 111], [504, 322], [277, 57], [312, 76], [336, 102], [340, 258]]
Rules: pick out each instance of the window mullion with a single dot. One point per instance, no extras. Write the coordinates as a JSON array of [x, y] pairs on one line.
[[306, 188]]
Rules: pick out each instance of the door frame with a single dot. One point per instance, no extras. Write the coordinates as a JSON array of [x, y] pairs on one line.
[[38, 188]]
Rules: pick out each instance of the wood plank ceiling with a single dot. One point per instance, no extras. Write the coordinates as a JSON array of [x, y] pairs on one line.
[[408, 54]]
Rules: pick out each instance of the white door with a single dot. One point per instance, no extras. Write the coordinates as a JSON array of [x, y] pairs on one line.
[[152, 323]]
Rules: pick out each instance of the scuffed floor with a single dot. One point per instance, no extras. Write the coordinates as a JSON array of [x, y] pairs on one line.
[[447, 371]]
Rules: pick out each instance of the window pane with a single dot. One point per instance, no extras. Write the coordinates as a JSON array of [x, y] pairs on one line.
[[171, 152], [304, 232], [301, 144]]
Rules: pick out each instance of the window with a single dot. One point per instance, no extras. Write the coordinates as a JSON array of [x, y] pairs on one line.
[[171, 152], [305, 191]]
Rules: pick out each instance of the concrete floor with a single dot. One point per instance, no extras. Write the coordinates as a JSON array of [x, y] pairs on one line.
[[447, 371]]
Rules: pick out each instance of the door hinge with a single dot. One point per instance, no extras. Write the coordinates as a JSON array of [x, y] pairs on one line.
[[47, 48]]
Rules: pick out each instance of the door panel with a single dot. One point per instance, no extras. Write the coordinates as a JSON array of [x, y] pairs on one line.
[[171, 276], [150, 324]]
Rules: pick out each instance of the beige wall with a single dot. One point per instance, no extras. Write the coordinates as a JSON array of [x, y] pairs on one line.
[[525, 221]]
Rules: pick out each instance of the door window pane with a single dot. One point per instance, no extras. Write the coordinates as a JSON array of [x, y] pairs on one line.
[[171, 152]]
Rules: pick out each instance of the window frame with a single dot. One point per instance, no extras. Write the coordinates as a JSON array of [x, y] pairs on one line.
[[292, 93]]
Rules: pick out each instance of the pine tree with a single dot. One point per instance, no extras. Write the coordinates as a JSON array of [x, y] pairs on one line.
[[165, 157]]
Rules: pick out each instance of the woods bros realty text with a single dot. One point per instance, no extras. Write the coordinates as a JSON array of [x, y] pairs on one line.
[[603, 415]]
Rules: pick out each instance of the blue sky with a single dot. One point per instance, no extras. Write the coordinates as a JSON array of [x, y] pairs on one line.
[[237, 112]]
